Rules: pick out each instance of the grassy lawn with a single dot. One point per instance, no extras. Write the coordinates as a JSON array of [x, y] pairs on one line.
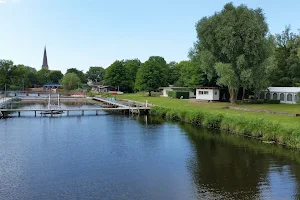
[[219, 106]]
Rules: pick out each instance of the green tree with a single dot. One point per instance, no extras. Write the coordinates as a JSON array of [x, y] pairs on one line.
[[70, 81], [79, 73], [186, 71], [152, 75], [204, 63], [23, 76], [236, 39], [287, 59], [115, 75], [55, 76], [95, 74], [132, 67], [6, 69], [174, 72], [191, 75], [43, 76]]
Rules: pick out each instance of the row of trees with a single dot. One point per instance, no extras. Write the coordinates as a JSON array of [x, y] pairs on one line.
[[18, 77], [234, 49]]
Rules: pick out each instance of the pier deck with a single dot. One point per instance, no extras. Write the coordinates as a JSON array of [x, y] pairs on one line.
[[4, 101]]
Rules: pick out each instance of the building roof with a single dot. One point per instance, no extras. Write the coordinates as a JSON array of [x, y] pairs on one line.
[[284, 89], [52, 85], [208, 88], [174, 87]]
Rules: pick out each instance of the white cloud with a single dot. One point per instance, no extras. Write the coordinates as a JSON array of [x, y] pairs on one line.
[[3, 1]]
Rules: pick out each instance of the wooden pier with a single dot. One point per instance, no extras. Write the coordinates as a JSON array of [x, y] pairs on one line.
[[68, 110], [115, 107], [5, 101]]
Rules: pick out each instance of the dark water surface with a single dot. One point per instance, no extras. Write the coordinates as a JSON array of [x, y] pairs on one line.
[[119, 157]]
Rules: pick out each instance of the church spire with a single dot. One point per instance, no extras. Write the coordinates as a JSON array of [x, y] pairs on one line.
[[45, 60]]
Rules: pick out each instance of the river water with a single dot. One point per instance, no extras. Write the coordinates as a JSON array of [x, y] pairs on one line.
[[122, 157]]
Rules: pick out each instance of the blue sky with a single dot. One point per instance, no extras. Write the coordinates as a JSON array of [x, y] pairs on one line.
[[96, 32]]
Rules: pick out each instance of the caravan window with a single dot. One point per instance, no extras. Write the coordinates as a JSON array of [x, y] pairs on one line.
[[203, 92]]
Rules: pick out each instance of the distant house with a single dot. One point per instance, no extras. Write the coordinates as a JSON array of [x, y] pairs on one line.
[[102, 88], [51, 86], [284, 94], [208, 93], [165, 90]]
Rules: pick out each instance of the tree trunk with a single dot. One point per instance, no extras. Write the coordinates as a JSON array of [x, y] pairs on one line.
[[243, 97], [233, 95], [149, 94]]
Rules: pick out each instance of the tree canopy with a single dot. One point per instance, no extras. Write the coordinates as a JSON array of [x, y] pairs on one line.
[[235, 41], [132, 67], [70, 81], [55, 76], [43, 76], [152, 74], [115, 75], [287, 57], [6, 69], [95, 74], [79, 73]]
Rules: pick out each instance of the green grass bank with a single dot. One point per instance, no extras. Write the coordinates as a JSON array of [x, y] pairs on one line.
[[278, 129]]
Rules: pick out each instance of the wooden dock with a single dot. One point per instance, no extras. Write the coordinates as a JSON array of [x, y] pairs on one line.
[[5, 101], [68, 110], [115, 107], [111, 102]]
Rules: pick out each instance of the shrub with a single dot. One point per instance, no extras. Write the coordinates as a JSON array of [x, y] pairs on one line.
[[90, 94], [272, 101], [171, 94], [251, 101], [179, 94]]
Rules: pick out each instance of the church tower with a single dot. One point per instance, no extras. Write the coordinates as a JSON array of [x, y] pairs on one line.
[[45, 60]]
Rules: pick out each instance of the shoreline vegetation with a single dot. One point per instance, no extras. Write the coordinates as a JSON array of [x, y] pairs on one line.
[[269, 128]]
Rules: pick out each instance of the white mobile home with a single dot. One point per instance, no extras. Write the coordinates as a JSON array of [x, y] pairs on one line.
[[284, 94], [165, 90], [208, 93]]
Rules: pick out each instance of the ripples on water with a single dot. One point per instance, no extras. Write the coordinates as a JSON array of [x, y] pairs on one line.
[[121, 157]]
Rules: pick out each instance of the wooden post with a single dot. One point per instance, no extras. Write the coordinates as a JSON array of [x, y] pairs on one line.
[[19, 113], [67, 113], [35, 113], [51, 113], [96, 112], [82, 113]]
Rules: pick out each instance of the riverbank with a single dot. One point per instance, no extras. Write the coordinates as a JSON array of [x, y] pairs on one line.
[[284, 130]]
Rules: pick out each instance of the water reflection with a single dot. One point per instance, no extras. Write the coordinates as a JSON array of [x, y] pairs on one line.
[[131, 157], [231, 167]]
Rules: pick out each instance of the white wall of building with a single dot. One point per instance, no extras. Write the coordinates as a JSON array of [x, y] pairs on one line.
[[284, 94], [192, 94], [167, 89], [208, 94]]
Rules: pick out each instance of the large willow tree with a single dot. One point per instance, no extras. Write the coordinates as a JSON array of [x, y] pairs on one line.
[[233, 44]]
